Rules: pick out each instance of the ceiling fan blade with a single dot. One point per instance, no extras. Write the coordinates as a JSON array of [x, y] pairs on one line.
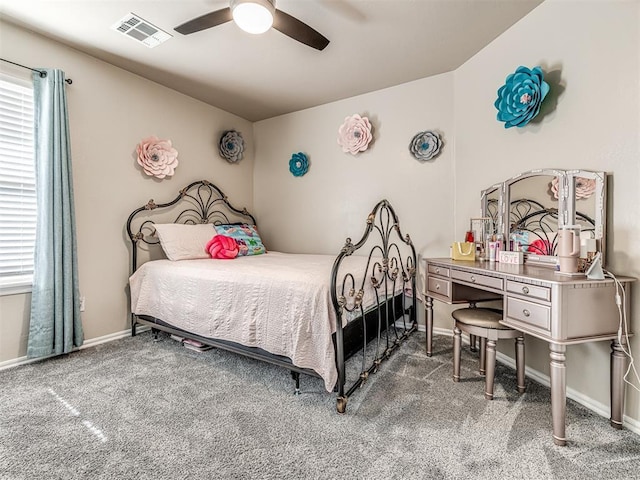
[[294, 28], [205, 21]]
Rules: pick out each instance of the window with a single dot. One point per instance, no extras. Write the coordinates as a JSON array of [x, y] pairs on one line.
[[17, 185]]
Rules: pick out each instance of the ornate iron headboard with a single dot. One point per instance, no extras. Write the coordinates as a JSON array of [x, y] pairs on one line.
[[199, 202], [542, 223], [493, 214]]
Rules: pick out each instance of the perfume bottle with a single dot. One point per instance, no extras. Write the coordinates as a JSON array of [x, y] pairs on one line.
[[469, 237], [487, 240]]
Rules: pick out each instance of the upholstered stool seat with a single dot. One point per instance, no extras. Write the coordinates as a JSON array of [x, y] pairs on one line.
[[484, 323]]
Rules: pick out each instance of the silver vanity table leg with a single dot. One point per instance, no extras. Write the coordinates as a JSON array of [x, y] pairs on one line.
[[618, 366], [520, 361], [558, 392], [428, 309]]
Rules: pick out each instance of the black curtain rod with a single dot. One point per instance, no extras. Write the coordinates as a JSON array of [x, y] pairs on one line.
[[41, 72]]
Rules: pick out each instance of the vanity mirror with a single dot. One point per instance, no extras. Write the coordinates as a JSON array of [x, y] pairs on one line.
[[534, 206], [489, 225], [491, 208]]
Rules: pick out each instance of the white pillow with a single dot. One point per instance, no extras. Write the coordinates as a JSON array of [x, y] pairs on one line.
[[185, 242]]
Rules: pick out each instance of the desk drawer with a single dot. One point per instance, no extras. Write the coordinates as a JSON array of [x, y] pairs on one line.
[[528, 312], [483, 280], [438, 270], [439, 286], [534, 291]]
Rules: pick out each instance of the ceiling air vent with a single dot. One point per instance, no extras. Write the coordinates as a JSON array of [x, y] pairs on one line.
[[140, 30]]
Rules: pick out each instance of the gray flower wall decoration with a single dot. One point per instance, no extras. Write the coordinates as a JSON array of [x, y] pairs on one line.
[[231, 146], [425, 145]]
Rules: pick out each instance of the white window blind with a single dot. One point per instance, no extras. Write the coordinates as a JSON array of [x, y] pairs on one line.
[[17, 184]]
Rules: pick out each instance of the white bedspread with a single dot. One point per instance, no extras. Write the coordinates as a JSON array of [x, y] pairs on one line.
[[278, 302]]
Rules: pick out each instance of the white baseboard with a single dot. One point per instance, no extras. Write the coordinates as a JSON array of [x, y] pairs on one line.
[[596, 407], [92, 342]]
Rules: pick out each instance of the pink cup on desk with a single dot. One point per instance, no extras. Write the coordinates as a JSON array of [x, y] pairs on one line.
[[569, 249]]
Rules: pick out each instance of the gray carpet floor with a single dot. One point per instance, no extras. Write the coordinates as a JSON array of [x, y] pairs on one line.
[[138, 409]]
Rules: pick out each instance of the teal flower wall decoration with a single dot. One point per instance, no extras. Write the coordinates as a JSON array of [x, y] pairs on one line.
[[520, 97], [299, 164]]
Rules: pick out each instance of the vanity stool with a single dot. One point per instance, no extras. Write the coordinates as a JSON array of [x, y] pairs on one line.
[[484, 323]]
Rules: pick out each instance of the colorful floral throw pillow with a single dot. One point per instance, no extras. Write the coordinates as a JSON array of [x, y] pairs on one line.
[[246, 236]]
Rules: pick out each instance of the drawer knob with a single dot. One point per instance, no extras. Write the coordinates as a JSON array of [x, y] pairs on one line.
[[437, 270], [438, 287], [473, 279], [525, 290], [526, 312]]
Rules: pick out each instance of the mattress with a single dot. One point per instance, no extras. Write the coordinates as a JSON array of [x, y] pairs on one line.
[[278, 302]]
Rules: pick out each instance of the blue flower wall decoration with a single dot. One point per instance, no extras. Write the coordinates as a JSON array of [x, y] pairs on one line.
[[425, 145], [299, 164], [231, 146], [520, 97]]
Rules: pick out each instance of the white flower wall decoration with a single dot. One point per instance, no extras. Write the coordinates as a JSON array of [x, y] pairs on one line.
[[354, 135], [585, 187], [157, 157]]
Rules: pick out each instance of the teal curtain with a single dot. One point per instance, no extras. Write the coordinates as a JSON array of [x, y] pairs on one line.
[[55, 325]]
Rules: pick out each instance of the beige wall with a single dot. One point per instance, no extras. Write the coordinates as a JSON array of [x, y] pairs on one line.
[[110, 112], [318, 211], [315, 213], [594, 126]]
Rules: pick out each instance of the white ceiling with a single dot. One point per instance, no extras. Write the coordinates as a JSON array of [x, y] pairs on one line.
[[374, 44]]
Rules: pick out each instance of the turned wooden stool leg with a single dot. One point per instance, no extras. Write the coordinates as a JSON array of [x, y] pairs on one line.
[[491, 369], [457, 341], [520, 363], [483, 356], [472, 343]]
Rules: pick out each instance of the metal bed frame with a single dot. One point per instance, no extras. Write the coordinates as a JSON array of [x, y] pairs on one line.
[[376, 332]]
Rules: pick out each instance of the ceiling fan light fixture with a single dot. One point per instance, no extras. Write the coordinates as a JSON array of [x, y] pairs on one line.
[[253, 16]]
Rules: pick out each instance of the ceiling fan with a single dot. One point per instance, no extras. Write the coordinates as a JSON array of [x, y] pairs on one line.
[[257, 16]]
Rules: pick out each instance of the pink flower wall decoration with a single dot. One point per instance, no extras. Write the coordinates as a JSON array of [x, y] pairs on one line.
[[584, 187], [354, 135], [554, 187], [157, 157]]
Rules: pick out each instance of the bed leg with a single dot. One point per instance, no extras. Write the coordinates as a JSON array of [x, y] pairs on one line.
[[133, 326], [155, 332], [341, 404], [296, 377]]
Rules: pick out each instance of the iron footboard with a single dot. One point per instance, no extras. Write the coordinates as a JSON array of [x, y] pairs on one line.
[[390, 268]]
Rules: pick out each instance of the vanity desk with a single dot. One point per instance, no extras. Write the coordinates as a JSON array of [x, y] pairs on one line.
[[561, 310]]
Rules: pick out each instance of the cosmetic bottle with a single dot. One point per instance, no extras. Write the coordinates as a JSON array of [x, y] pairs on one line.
[[487, 251], [493, 251], [499, 245]]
